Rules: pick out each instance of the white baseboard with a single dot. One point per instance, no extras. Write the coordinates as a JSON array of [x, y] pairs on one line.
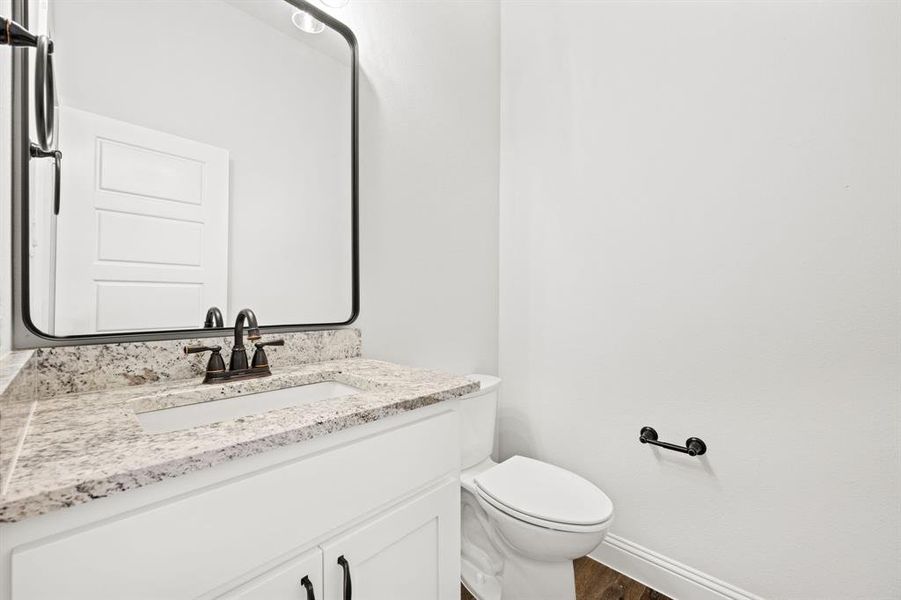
[[663, 574]]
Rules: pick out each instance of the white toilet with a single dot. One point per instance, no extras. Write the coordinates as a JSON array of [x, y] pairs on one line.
[[523, 520]]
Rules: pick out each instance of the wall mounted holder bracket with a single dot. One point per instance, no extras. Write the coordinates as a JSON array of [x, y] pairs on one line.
[[693, 446]]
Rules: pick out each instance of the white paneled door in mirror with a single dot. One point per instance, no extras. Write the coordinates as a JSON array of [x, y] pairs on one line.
[[144, 241], [207, 161]]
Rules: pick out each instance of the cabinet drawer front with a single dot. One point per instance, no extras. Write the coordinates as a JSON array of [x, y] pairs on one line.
[[200, 542]]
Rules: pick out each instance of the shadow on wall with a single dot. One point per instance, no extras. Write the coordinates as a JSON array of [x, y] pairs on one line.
[[516, 436], [672, 460]]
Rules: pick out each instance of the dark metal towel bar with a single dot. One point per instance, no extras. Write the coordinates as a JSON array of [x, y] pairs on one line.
[[693, 446]]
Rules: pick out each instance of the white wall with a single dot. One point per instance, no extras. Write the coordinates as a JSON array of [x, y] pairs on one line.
[[428, 180], [700, 232]]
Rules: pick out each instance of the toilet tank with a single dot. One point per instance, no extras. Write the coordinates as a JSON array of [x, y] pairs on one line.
[[478, 413]]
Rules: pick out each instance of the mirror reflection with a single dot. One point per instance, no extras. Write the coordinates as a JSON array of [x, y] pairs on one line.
[[206, 162]]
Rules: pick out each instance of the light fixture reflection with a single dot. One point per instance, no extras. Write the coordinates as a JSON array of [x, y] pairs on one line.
[[306, 22]]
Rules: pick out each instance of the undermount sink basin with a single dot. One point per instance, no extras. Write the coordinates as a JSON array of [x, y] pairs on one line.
[[214, 411]]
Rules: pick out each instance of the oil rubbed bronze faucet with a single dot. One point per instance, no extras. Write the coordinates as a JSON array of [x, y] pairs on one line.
[[213, 318], [239, 353], [237, 366]]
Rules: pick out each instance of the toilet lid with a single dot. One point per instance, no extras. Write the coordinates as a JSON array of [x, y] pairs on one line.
[[536, 489]]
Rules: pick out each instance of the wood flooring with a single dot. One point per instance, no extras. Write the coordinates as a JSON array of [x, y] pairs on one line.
[[594, 581]]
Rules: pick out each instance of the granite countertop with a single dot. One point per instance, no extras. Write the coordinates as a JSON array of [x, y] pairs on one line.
[[83, 446]]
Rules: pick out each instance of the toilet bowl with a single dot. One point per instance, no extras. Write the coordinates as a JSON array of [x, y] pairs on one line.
[[523, 521]]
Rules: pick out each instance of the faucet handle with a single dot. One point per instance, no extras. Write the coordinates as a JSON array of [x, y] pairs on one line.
[[197, 349], [272, 343], [216, 364], [260, 360]]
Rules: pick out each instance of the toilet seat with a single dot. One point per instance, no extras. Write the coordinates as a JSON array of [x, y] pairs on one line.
[[544, 495]]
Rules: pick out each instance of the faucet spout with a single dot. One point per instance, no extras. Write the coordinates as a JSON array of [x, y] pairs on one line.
[[213, 318], [239, 353], [253, 330]]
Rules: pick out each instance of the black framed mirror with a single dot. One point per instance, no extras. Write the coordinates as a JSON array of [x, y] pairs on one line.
[[206, 159]]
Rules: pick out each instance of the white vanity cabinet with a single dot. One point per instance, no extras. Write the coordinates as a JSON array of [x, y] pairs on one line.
[[383, 495], [408, 553]]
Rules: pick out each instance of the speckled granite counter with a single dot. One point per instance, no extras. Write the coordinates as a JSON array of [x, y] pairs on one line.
[[90, 445], [29, 376], [16, 405], [69, 432]]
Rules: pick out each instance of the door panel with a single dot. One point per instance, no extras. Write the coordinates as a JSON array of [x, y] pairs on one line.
[[145, 172], [135, 238], [116, 301], [411, 553]]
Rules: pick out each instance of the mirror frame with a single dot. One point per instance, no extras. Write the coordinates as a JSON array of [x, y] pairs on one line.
[[25, 333]]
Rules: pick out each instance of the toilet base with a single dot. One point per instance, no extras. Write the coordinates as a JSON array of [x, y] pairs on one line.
[[492, 570], [522, 579], [480, 585], [526, 579]]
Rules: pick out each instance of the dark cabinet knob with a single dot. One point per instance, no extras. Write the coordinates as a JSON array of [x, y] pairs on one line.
[[346, 567], [308, 585]]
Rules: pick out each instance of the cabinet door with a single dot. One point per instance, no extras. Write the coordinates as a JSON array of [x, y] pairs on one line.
[[298, 579], [410, 553]]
